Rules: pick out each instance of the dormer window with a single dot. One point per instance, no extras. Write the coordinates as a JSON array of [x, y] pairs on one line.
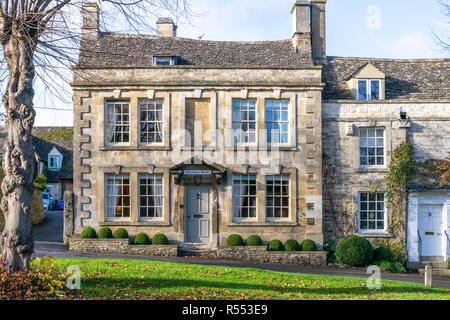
[[368, 83], [368, 89], [54, 162], [164, 60]]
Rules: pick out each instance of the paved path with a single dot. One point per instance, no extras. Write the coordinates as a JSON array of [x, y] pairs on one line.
[[60, 251], [51, 230]]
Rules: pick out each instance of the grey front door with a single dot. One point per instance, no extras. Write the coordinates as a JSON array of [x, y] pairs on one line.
[[197, 214]]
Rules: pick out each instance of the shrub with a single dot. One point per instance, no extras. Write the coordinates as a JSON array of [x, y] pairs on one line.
[[88, 233], [159, 239], [141, 238], [308, 245], [235, 240], [331, 257], [105, 233], [393, 267], [254, 240], [275, 245], [354, 251], [121, 233], [382, 254], [292, 245]]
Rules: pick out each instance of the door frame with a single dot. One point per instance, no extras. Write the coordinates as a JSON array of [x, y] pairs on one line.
[[186, 206], [416, 199], [213, 207]]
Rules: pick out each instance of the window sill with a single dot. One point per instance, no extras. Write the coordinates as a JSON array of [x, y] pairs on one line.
[[134, 224], [374, 234], [135, 148], [375, 169], [262, 224], [268, 148]]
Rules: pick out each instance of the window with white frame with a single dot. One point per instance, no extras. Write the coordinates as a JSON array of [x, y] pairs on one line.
[[150, 197], [164, 60], [117, 121], [54, 162], [368, 89], [151, 123], [117, 197], [371, 147], [277, 121], [372, 212], [244, 196], [244, 121], [277, 197]]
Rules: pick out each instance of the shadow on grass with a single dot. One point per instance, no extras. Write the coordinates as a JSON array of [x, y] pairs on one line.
[[158, 283]]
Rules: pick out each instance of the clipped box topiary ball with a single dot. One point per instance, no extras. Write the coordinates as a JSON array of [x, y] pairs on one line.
[[235, 240], [159, 239], [254, 240], [382, 254], [88, 233], [105, 233], [291, 245], [121, 233], [308, 245], [354, 251], [275, 245], [141, 238]]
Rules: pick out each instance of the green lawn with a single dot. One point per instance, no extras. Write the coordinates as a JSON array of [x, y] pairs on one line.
[[134, 279]]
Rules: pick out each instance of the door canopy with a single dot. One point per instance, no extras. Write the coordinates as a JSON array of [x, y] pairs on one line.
[[198, 171]]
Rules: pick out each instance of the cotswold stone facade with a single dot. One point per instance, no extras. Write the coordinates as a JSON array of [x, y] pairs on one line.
[[201, 139]]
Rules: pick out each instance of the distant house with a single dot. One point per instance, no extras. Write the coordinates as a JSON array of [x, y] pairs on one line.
[[53, 152]]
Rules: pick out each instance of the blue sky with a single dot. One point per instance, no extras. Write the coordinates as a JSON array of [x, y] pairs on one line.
[[362, 28]]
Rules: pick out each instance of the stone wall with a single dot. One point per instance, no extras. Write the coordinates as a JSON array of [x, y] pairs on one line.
[[121, 246], [260, 254], [427, 131], [37, 208]]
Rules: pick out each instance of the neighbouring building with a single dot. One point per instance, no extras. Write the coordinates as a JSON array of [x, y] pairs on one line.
[[201, 139]]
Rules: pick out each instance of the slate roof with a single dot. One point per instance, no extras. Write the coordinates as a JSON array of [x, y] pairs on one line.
[[112, 49], [64, 146], [420, 79], [43, 147]]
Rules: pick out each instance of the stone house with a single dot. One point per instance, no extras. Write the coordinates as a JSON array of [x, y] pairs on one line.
[[201, 139]]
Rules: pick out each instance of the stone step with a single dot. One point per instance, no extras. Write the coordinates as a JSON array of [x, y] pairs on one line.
[[435, 264], [190, 252], [438, 272]]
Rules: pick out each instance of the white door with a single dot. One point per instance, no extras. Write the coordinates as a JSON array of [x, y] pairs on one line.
[[197, 214], [431, 229]]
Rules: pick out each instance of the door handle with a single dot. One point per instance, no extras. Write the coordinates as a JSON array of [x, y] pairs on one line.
[[198, 216]]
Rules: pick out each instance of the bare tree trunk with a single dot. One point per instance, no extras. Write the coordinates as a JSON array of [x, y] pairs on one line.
[[19, 163]]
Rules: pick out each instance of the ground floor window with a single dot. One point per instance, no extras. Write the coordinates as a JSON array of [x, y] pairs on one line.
[[117, 196], [372, 211], [150, 196], [244, 196], [277, 197]]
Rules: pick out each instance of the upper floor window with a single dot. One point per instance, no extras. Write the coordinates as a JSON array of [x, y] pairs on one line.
[[117, 127], [244, 121], [371, 147], [151, 122], [164, 60], [54, 162], [372, 212], [150, 197], [277, 121], [277, 197], [368, 89], [117, 196], [244, 196]]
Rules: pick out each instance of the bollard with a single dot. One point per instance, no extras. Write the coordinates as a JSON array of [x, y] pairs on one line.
[[428, 275]]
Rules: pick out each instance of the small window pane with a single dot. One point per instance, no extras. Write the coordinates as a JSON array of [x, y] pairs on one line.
[[362, 90]]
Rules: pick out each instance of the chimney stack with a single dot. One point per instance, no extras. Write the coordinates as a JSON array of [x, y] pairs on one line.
[[166, 28], [318, 34], [90, 28], [301, 17]]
